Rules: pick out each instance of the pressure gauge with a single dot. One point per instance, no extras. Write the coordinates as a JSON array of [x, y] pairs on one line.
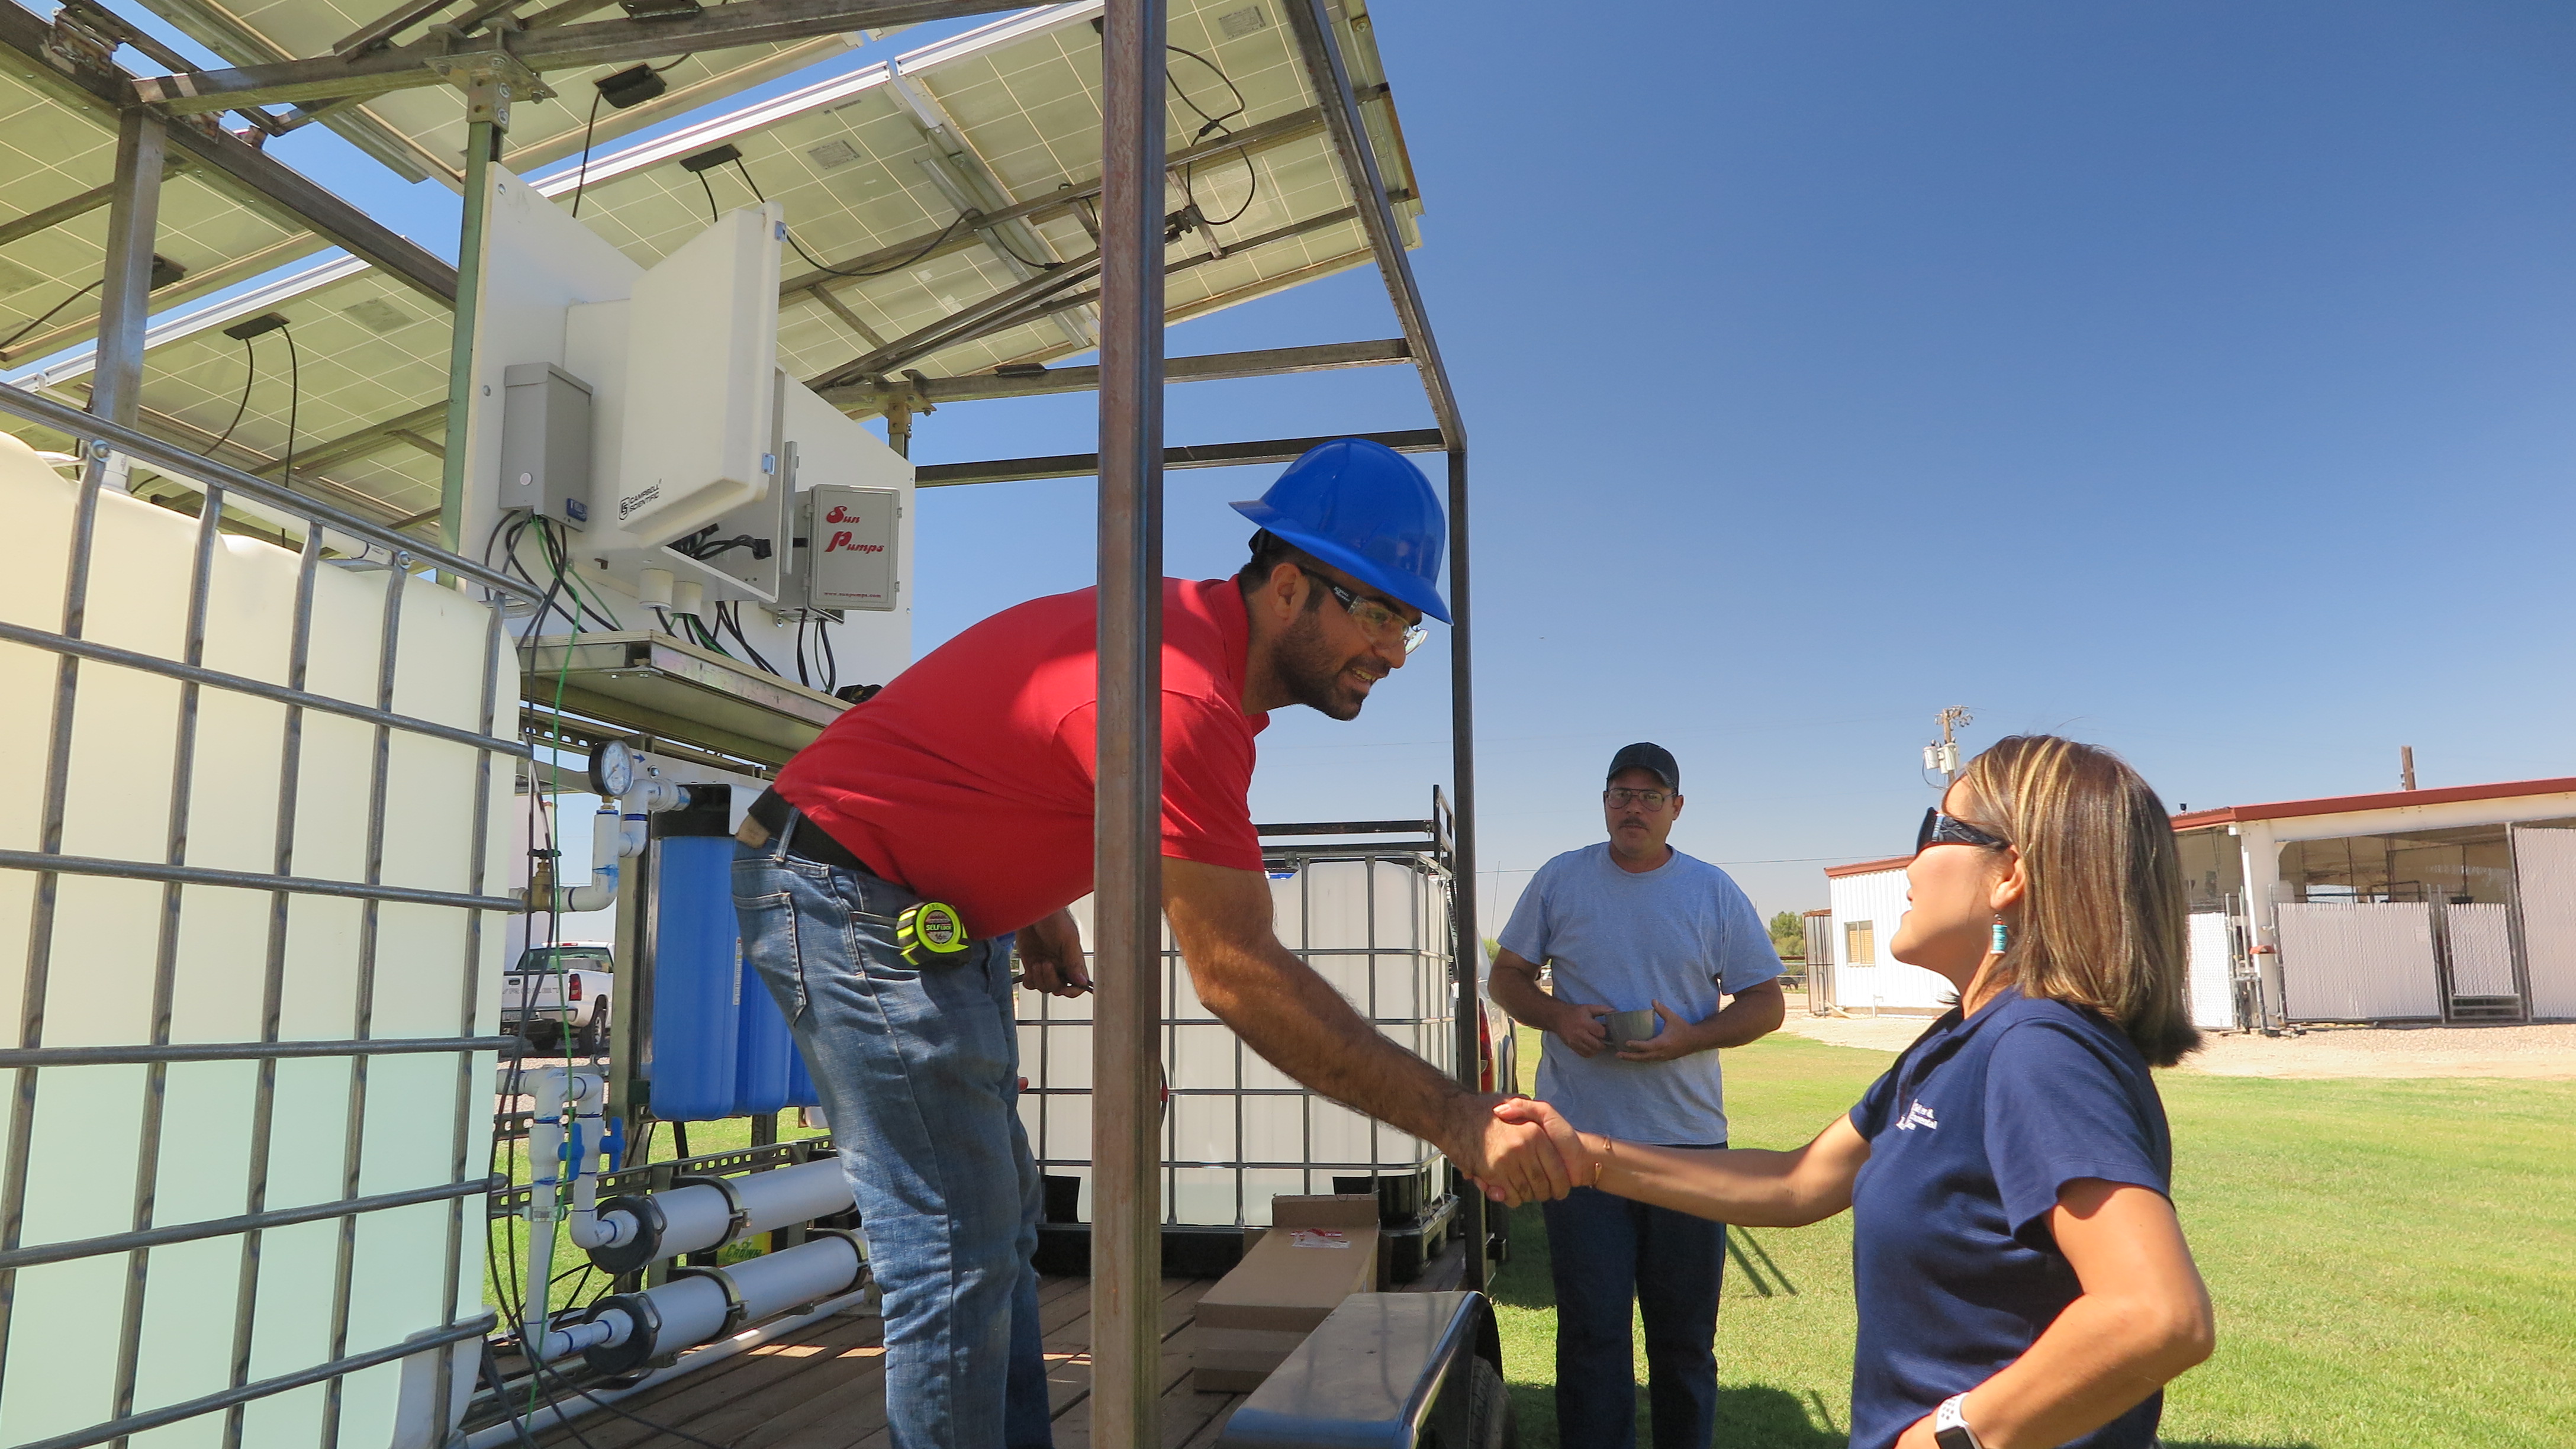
[[612, 768]]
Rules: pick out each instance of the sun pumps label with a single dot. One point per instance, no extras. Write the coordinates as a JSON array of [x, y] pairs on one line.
[[851, 541]]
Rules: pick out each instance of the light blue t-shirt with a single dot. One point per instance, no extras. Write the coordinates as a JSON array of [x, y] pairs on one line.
[[1677, 934]]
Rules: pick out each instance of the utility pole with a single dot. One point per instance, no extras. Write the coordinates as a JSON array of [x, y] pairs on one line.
[[2406, 767], [1943, 754]]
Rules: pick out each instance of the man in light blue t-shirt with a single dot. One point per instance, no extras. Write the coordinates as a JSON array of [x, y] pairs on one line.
[[1635, 925]]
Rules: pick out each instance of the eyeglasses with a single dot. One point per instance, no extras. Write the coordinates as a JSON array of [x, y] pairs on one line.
[[1382, 624], [1940, 829], [1651, 799]]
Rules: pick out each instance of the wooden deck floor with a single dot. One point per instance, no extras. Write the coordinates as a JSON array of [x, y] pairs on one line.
[[824, 1388]]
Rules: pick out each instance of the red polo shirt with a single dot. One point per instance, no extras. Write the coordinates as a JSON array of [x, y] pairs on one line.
[[970, 777]]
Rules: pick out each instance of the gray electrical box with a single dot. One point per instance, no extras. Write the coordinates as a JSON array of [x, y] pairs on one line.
[[851, 536], [545, 442]]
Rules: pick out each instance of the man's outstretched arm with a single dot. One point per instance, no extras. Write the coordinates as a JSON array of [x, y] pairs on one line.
[[1301, 1025]]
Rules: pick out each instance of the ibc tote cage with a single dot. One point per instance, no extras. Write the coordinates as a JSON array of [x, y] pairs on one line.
[[1374, 916], [52, 1079]]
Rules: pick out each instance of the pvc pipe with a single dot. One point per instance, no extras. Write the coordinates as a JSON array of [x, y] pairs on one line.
[[688, 596], [653, 588], [606, 848], [708, 1302], [506, 1433], [640, 1229]]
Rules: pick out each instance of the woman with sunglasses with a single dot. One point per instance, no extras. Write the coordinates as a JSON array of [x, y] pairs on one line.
[[2021, 1277]]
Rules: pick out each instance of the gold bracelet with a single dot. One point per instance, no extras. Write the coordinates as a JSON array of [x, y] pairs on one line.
[[1600, 1161]]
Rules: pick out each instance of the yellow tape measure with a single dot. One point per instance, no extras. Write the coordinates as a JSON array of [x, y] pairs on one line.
[[929, 931]]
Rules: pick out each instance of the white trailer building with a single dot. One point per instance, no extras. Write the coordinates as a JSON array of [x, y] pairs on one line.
[[2455, 904]]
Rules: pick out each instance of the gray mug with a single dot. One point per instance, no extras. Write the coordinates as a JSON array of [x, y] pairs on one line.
[[1628, 1026]]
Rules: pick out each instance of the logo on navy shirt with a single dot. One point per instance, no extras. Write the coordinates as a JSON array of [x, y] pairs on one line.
[[1918, 1115]]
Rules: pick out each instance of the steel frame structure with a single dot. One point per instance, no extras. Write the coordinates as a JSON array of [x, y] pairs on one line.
[[30, 1058], [1129, 465]]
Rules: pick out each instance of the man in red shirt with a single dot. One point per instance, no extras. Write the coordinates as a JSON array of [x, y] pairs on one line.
[[969, 781]]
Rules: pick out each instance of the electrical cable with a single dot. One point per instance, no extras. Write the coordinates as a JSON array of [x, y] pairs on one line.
[[250, 355], [49, 316], [801, 676], [581, 178], [822, 266], [831, 665], [1189, 173], [729, 616], [294, 401], [713, 215]]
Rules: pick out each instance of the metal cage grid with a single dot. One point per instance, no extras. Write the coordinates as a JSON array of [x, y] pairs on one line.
[[30, 1058], [1056, 1111]]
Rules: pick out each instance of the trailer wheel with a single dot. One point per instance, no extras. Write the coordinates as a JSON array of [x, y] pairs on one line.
[[585, 1037], [1489, 1408]]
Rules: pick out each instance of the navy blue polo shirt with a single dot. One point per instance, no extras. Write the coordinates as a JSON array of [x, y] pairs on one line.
[[1971, 1134]]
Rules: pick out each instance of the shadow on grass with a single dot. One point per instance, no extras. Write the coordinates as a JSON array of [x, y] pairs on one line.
[[1758, 1416], [2228, 1444]]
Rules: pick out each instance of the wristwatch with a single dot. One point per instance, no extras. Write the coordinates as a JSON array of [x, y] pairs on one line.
[[1950, 1426]]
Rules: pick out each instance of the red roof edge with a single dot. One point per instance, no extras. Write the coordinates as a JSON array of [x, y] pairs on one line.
[[2387, 800]]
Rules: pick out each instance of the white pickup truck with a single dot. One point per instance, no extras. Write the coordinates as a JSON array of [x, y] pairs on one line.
[[559, 991]]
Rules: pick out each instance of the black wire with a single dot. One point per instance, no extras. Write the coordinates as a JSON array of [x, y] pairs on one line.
[[251, 355], [582, 177], [801, 677], [730, 616], [675, 65], [1219, 71], [1189, 173], [294, 401], [49, 316], [500, 1392], [821, 266], [713, 215], [831, 665]]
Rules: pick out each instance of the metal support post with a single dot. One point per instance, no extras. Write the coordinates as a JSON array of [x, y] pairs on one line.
[[1126, 1237], [487, 119], [1462, 744], [125, 298]]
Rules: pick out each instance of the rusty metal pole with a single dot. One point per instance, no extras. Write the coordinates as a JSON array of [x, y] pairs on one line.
[[1126, 1215], [1473, 1226]]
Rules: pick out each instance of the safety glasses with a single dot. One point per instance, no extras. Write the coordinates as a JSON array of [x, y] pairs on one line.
[[1940, 829], [1376, 620]]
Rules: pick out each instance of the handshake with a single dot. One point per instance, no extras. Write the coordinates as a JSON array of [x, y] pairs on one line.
[[1519, 1150]]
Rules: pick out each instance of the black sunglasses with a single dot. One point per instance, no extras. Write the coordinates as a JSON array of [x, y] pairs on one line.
[[1940, 829]]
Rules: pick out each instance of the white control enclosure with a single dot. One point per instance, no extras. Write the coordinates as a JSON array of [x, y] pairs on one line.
[[854, 535], [701, 349]]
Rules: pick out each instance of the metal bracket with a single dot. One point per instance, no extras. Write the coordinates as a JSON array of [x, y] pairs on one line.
[[491, 79], [733, 1202], [735, 1309]]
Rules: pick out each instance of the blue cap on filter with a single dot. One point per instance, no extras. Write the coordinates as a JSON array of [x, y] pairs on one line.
[[1362, 508]]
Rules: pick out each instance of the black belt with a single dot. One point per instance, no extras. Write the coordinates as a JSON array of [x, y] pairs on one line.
[[808, 840]]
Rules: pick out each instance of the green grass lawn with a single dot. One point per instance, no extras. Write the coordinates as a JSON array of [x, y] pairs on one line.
[[2393, 1262]]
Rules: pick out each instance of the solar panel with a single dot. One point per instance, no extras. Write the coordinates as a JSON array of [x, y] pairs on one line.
[[875, 168]]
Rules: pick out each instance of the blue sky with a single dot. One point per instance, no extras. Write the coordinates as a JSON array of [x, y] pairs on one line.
[[2190, 378]]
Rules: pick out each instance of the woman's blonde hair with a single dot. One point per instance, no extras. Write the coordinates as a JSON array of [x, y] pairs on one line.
[[2102, 921]]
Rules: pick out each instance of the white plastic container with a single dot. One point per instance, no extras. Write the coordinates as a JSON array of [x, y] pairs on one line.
[[62, 1347], [1237, 1130]]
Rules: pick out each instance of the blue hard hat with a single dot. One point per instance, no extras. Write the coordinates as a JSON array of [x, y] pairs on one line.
[[1362, 508]]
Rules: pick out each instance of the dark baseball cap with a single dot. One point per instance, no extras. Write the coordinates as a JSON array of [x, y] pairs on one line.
[[1653, 759]]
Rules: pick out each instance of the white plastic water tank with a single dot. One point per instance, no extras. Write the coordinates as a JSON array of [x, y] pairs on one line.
[[83, 1151], [1237, 1130]]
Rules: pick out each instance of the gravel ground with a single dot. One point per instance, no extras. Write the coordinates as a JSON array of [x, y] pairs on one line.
[[2534, 1053]]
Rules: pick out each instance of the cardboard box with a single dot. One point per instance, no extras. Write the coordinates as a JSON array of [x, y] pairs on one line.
[[1318, 1251], [1236, 1360]]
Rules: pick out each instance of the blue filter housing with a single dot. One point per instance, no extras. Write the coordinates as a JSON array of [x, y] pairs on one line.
[[721, 1047]]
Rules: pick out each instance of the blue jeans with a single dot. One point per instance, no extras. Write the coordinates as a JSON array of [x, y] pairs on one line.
[[918, 1069], [1605, 1253]]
